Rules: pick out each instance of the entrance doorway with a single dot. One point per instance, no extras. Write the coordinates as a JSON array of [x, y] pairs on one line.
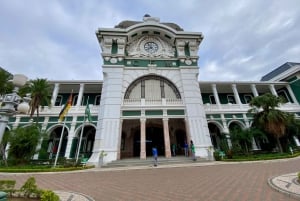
[[154, 137]]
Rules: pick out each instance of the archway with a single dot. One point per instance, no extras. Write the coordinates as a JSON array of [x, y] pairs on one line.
[[215, 134], [53, 142], [87, 142]]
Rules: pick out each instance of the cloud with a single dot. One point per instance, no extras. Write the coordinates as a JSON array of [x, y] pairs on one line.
[[56, 39]]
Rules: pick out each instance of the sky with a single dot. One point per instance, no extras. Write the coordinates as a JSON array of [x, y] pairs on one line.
[[55, 40]]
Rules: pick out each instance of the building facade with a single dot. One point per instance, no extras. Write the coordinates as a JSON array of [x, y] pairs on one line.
[[150, 96]]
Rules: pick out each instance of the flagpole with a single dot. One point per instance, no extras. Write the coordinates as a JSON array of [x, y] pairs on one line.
[[81, 133], [80, 139], [60, 142]]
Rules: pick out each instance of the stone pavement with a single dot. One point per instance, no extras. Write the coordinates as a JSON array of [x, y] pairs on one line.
[[209, 181], [287, 183]]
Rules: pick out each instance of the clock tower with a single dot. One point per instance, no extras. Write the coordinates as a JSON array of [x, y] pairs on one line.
[[150, 96]]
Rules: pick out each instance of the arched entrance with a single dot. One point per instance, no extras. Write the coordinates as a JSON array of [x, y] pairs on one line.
[[53, 142], [215, 135], [87, 142], [154, 138]]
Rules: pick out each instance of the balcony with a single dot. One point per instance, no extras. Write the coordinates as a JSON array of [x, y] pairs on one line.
[[152, 102], [243, 108]]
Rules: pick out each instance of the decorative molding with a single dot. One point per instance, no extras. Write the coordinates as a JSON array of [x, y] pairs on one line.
[[136, 48]]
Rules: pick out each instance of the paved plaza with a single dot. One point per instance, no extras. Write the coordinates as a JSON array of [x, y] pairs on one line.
[[209, 181]]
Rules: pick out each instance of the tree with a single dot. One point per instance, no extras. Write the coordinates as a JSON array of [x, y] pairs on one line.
[[5, 85], [268, 118], [40, 95], [244, 137], [23, 142]]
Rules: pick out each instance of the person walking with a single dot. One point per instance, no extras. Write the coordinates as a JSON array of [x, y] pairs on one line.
[[186, 149], [193, 150], [174, 149], [154, 152]]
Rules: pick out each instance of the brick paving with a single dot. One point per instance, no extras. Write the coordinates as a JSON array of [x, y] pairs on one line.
[[210, 182]]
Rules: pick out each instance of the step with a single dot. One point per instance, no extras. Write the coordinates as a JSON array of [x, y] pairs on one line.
[[149, 161]]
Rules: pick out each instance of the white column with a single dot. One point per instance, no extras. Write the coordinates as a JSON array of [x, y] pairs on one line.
[[292, 94], [54, 94], [120, 139], [79, 99], [273, 90], [254, 90], [167, 138], [246, 120], [143, 139], [215, 92], [236, 94], [296, 141], [71, 135]]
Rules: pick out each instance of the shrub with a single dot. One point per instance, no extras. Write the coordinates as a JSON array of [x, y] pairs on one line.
[[8, 186], [48, 195], [217, 155], [30, 188]]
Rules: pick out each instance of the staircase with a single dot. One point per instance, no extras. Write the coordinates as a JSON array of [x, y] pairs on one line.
[[132, 162]]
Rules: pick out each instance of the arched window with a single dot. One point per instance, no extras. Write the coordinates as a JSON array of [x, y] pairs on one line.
[[152, 87]]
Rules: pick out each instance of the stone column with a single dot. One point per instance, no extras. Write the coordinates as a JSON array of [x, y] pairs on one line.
[[187, 130], [236, 94], [80, 94], [71, 135], [273, 90], [120, 139], [215, 92], [54, 94], [254, 90], [167, 138], [143, 139]]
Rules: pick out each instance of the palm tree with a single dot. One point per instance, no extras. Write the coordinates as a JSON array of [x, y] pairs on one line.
[[268, 118], [40, 95], [5, 85]]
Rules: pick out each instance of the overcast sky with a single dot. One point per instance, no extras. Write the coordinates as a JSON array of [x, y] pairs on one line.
[[243, 40]]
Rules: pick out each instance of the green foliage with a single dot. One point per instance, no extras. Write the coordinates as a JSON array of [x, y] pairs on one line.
[[30, 188], [28, 169], [48, 195], [40, 95], [5, 85], [23, 143], [243, 138], [217, 155], [8, 186], [270, 119]]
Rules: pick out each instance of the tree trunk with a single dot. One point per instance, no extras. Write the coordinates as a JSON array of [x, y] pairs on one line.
[[279, 145]]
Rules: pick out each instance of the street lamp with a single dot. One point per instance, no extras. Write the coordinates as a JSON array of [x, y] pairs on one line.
[[11, 101]]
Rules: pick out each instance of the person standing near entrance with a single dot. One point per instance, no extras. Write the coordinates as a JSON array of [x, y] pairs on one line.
[[154, 152], [193, 150], [186, 149], [174, 149]]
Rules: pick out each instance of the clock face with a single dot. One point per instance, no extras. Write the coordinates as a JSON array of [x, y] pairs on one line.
[[151, 47]]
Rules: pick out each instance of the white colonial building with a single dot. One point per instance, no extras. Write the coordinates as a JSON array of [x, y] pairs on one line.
[[150, 96]]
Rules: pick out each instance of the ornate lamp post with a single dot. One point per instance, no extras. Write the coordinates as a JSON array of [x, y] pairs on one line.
[[11, 101]]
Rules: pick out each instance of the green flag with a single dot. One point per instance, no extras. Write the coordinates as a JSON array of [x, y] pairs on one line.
[[88, 112]]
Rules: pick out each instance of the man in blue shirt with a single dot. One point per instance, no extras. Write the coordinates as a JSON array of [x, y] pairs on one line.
[[154, 152]]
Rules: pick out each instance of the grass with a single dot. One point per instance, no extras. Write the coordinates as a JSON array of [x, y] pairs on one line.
[[265, 156], [32, 168]]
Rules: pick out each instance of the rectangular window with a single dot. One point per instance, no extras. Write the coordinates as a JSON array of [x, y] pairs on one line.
[[231, 99], [212, 99], [247, 98]]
